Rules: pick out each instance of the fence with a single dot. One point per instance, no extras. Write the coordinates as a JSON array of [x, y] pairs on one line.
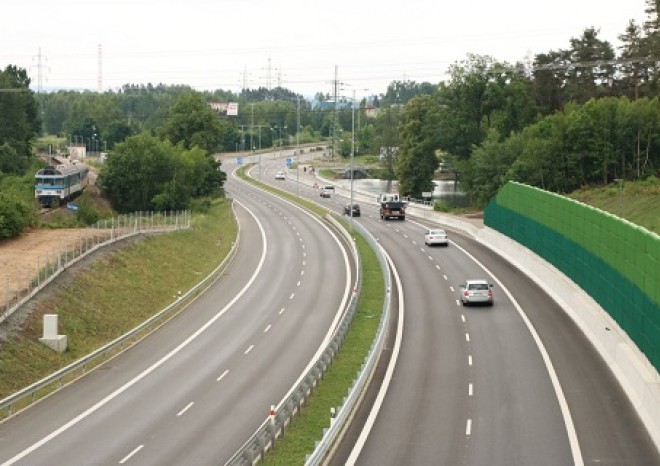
[[615, 262], [31, 393], [24, 284]]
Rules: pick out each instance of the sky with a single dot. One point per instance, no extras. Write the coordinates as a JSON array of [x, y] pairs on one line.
[[236, 44]]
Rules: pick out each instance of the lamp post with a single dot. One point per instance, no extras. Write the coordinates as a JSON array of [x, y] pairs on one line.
[[298, 150], [352, 156], [620, 181]]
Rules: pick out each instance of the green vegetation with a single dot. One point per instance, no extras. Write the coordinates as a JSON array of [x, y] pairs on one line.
[[115, 294], [147, 173], [636, 201]]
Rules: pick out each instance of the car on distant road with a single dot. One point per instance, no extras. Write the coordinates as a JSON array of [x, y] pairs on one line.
[[355, 208], [476, 291], [436, 236], [281, 175], [327, 191]]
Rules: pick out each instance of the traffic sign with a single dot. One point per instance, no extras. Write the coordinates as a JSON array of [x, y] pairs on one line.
[[239, 161]]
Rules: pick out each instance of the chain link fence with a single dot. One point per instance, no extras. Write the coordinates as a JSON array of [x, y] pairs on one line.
[[26, 281]]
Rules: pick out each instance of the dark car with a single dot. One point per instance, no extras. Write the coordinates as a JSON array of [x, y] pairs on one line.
[[355, 208]]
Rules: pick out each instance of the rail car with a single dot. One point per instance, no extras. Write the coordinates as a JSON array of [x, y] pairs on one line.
[[56, 184]]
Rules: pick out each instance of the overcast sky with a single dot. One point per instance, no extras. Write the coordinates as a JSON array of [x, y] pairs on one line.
[[224, 44]]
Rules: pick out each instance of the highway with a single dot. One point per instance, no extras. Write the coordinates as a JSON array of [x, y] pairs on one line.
[[515, 384], [196, 389]]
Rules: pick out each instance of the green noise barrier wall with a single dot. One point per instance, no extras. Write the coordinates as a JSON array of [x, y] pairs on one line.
[[615, 262]]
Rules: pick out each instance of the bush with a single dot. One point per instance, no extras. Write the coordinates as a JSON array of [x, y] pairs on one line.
[[15, 214]]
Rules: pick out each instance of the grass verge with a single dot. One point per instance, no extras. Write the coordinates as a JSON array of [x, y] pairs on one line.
[[307, 428], [115, 293]]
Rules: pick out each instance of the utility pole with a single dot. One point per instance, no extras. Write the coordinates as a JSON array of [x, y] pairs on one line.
[[40, 66], [334, 120]]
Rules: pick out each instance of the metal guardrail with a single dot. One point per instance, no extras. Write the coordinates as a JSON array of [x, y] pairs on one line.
[[274, 425], [58, 377], [331, 434], [109, 231]]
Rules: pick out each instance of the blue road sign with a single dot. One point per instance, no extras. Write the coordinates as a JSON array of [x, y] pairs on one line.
[[239, 161], [289, 161]]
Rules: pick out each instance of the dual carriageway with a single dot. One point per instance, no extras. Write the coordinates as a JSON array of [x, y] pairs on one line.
[[515, 384]]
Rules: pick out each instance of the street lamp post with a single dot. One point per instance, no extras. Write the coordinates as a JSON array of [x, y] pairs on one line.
[[620, 181], [298, 150], [352, 156]]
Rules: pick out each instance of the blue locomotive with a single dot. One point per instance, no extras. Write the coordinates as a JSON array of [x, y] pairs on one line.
[[57, 184]]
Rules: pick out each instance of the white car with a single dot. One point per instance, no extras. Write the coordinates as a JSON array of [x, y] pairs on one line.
[[436, 236], [476, 291], [280, 175], [327, 191]]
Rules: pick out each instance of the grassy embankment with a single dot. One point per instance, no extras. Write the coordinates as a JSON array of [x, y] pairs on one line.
[[307, 427], [116, 293], [636, 201]]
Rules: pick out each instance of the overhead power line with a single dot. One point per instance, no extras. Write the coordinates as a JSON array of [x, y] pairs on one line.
[[595, 63]]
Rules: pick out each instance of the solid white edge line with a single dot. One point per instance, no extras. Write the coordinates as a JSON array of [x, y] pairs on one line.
[[375, 409], [155, 365], [561, 398]]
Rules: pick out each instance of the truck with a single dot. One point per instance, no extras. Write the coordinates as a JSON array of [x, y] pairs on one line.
[[392, 209]]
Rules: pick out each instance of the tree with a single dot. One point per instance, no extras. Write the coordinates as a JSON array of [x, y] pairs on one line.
[[588, 77], [147, 173], [15, 213], [193, 123], [11, 162], [633, 74], [387, 141], [416, 162], [135, 172], [19, 115], [650, 45]]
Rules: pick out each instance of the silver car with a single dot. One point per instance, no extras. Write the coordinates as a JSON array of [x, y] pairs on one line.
[[436, 236], [476, 291]]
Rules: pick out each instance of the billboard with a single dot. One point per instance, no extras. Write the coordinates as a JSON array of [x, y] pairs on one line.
[[225, 108]]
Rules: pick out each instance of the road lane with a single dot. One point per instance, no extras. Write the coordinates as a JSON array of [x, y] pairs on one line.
[[508, 391], [222, 369]]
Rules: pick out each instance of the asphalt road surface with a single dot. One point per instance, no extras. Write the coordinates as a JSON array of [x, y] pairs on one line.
[[196, 389], [512, 384]]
